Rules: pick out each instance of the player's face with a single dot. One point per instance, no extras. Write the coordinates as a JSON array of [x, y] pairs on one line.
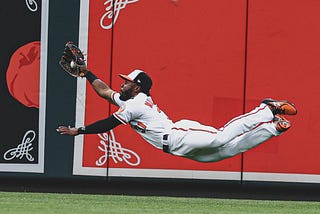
[[128, 90]]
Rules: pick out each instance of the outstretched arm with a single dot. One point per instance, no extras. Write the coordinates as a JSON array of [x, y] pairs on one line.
[[100, 87], [73, 62], [94, 128]]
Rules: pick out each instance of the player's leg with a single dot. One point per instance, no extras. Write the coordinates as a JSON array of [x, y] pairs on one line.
[[245, 123], [242, 124], [254, 138], [196, 141], [247, 141], [192, 135]]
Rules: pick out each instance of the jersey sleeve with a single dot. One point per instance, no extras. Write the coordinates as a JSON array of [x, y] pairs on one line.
[[116, 99], [127, 112]]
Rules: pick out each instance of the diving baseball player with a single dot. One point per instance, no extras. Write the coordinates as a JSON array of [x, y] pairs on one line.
[[184, 138]]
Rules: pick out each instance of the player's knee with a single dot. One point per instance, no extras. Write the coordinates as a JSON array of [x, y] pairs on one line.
[[219, 140]]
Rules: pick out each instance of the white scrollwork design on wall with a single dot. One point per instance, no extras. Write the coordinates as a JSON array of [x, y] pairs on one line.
[[113, 7], [23, 149], [32, 5], [113, 149]]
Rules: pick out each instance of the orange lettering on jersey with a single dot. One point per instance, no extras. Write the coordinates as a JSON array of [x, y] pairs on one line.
[[150, 104]]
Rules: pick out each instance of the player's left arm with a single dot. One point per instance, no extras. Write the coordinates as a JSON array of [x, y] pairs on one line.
[[99, 86], [94, 128], [73, 62]]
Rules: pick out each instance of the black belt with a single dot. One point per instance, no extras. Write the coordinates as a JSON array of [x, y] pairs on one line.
[[165, 147]]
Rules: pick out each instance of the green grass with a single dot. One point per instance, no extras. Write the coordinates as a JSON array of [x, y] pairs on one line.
[[21, 202]]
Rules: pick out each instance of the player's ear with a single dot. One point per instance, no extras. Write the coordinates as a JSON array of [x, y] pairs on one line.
[[137, 88]]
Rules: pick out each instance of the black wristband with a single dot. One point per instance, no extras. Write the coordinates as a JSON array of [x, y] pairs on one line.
[[90, 77], [81, 130]]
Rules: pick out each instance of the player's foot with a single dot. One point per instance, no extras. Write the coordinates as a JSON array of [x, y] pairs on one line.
[[280, 106], [281, 123]]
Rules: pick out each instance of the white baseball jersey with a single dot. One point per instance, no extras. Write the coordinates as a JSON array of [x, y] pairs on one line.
[[191, 139], [144, 116]]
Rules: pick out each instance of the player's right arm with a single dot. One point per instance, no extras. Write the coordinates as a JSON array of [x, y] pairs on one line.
[[94, 128]]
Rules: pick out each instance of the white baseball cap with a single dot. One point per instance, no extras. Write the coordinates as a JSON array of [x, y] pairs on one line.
[[140, 78], [132, 76]]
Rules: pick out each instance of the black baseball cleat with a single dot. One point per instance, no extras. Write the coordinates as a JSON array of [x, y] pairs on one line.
[[280, 106], [281, 123]]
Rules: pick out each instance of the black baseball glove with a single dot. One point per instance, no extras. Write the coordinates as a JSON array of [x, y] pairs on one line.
[[72, 60]]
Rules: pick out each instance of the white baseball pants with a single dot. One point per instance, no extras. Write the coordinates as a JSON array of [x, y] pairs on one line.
[[193, 140]]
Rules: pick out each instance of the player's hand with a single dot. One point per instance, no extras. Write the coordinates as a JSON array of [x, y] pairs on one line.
[[83, 70], [73, 61], [67, 130]]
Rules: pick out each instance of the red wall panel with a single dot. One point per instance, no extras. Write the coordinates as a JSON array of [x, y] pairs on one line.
[[283, 62], [99, 61], [195, 53]]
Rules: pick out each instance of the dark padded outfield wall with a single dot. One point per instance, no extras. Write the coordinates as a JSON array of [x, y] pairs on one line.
[[20, 147]]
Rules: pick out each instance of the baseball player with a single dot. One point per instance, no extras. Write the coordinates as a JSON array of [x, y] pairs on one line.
[[184, 138]]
